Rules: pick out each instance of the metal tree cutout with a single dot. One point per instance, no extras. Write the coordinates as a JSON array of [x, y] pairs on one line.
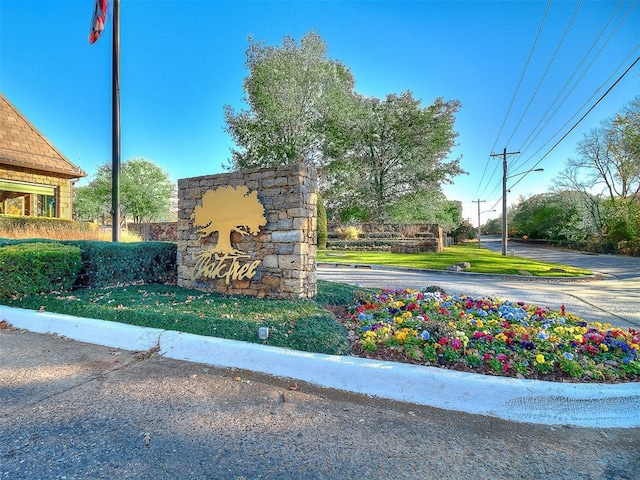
[[226, 210]]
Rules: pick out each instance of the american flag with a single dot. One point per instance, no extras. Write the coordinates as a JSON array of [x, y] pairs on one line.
[[97, 20]]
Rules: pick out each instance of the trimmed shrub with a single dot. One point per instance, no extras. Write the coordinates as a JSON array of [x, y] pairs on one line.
[[349, 233], [322, 223], [30, 268], [109, 264]]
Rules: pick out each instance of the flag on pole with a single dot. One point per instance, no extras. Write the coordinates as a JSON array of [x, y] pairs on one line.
[[97, 21]]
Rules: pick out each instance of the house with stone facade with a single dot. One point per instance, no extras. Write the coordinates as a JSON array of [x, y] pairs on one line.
[[35, 178]]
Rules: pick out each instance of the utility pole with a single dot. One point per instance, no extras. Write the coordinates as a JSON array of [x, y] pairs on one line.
[[115, 125], [504, 197], [479, 202]]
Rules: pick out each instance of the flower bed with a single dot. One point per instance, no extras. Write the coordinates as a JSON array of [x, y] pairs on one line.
[[491, 336]]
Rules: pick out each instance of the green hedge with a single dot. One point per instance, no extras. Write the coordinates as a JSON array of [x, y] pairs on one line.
[[109, 263], [322, 223], [30, 268]]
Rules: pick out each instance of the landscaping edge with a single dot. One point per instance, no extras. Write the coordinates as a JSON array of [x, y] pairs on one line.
[[530, 401]]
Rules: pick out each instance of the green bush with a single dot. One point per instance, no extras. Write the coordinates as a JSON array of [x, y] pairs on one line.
[[322, 223], [110, 263], [30, 268]]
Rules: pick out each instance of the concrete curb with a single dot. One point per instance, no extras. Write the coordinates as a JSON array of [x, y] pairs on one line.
[[546, 403], [518, 278]]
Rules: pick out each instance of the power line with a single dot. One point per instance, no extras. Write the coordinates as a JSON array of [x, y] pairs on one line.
[[575, 71], [582, 106], [518, 164], [525, 148], [583, 117], [544, 75], [515, 93]]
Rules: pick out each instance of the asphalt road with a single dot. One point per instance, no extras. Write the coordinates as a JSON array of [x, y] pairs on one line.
[[77, 411], [614, 299]]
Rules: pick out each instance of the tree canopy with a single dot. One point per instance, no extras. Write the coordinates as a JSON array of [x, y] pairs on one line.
[[393, 158], [292, 91], [606, 172], [146, 193], [378, 158]]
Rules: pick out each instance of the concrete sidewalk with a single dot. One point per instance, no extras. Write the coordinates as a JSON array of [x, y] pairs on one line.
[[547, 403]]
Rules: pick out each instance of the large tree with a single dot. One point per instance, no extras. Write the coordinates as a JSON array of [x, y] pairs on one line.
[[374, 156], [606, 170], [394, 154], [146, 193], [292, 91], [553, 216]]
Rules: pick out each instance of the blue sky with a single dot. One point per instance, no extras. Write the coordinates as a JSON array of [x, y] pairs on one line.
[[183, 60]]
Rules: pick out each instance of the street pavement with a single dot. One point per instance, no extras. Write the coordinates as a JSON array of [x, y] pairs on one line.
[[76, 410], [611, 296]]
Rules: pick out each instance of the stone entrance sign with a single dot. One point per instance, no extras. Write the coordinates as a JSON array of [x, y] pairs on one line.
[[250, 233]]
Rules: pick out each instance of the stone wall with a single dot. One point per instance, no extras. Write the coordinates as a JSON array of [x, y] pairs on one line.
[[159, 231], [279, 261]]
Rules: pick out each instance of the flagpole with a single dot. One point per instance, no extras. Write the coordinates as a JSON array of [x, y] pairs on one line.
[[115, 122]]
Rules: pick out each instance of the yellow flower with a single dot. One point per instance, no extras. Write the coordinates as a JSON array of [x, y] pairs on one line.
[[502, 337], [399, 304], [479, 323], [540, 358], [406, 315], [578, 338], [401, 336], [635, 346], [397, 319], [604, 348]]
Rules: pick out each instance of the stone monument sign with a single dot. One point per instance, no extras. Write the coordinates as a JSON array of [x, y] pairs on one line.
[[251, 232]]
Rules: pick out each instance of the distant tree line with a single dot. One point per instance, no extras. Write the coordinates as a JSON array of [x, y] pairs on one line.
[[596, 202]]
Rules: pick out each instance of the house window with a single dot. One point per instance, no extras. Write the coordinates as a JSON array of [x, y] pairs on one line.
[[46, 206], [27, 199]]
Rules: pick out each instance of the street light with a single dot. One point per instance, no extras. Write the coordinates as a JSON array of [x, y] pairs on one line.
[[479, 229], [505, 235]]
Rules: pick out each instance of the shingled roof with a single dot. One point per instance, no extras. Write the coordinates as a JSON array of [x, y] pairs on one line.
[[23, 146]]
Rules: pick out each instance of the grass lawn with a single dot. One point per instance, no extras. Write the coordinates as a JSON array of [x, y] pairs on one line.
[[429, 328], [481, 260], [301, 324]]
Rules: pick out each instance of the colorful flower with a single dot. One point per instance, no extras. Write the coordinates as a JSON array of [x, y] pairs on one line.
[[507, 337]]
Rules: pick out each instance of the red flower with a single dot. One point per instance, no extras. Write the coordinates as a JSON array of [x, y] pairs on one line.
[[590, 349], [443, 341]]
